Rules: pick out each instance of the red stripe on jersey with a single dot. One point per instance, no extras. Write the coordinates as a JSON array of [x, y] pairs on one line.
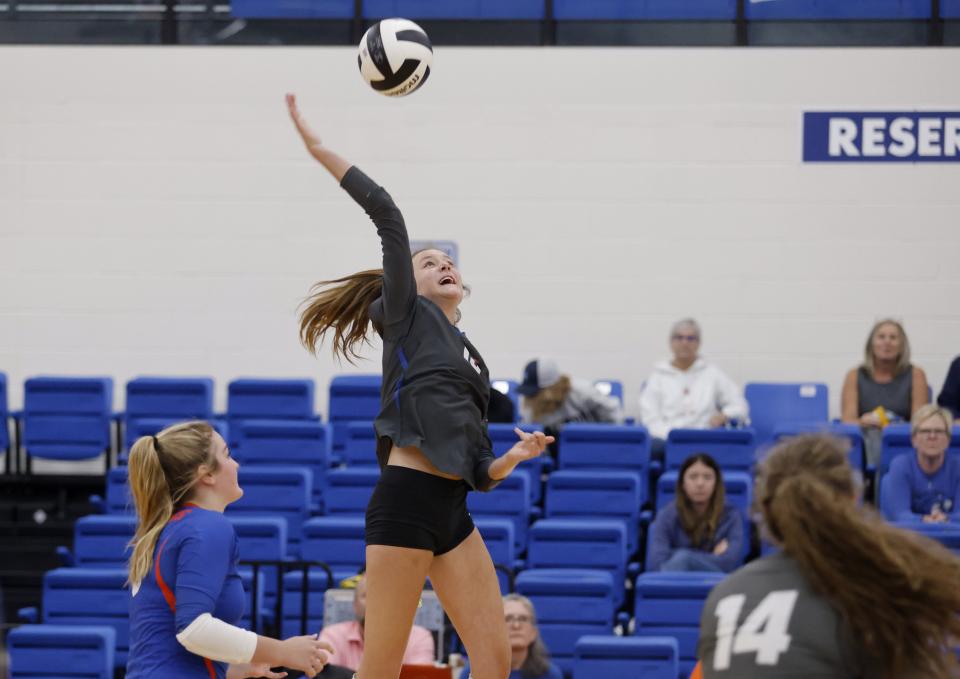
[[164, 589], [210, 668], [179, 515]]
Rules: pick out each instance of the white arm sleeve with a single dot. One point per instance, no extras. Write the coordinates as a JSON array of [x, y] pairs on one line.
[[212, 638]]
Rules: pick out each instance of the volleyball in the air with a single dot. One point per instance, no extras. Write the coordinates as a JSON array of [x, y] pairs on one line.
[[395, 57]]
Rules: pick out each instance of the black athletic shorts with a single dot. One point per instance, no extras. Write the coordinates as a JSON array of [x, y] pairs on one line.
[[410, 508]]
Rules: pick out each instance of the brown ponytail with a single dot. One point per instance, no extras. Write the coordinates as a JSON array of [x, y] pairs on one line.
[[343, 309], [163, 469], [898, 591]]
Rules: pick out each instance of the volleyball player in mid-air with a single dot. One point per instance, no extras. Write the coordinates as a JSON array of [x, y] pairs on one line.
[[432, 442]]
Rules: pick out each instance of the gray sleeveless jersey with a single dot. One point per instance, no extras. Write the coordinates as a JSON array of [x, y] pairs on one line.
[[765, 622]]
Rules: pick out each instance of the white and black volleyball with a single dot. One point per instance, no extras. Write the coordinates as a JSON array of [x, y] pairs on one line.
[[395, 57]]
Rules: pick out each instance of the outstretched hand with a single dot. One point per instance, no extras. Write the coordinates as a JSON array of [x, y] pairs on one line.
[[530, 445], [310, 138]]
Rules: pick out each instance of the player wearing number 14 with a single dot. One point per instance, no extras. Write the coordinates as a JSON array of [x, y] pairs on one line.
[[846, 597]]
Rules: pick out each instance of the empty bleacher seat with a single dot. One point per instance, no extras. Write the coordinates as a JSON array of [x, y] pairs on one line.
[[261, 538], [168, 398], [90, 596], [337, 541], [597, 495], [832, 10], [670, 604], [268, 399], [249, 604], [352, 398], [360, 447], [613, 657], [317, 584], [62, 651], [349, 489], [947, 534], [570, 603], [950, 9], [613, 388], [509, 500], [67, 418], [781, 404], [102, 541], [732, 448], [605, 446], [599, 544], [287, 442], [497, 535], [282, 491], [454, 9], [617, 10], [292, 9], [117, 497]]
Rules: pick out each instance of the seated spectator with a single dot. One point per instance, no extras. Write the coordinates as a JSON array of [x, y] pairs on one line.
[[698, 531], [529, 656], [949, 396], [885, 388], [347, 639], [926, 485], [553, 399], [687, 392]]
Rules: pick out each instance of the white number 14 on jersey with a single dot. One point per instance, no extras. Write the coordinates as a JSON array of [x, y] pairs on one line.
[[764, 632]]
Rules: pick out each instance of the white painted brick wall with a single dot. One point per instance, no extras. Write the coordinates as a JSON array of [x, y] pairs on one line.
[[158, 216]]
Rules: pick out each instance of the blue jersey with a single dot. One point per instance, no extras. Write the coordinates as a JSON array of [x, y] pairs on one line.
[[194, 571]]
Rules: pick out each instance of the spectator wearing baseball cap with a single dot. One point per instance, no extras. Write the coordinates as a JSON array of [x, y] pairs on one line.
[[552, 399]]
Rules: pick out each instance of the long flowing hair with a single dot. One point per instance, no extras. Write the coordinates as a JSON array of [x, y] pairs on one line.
[[160, 479], [342, 306], [899, 592], [548, 400], [700, 528]]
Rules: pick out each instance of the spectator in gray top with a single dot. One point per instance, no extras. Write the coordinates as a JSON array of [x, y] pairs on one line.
[[552, 399]]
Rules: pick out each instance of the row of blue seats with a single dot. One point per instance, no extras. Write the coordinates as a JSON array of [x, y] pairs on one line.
[[598, 10]]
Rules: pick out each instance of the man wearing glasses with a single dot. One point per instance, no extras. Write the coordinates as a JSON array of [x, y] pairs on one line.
[[925, 486]]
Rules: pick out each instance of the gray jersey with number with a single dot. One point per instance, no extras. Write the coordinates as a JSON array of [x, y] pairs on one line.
[[765, 622]]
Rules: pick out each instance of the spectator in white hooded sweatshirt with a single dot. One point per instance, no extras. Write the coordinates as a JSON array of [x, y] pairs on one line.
[[687, 392]]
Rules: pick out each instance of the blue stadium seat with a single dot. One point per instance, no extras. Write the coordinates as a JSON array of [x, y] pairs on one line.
[[261, 538], [597, 544], [947, 534], [292, 9], [360, 448], [613, 657], [117, 493], [832, 9], [612, 388], [337, 541], [168, 398], [317, 583], [62, 652], [896, 441], [605, 446], [101, 541], [246, 580], [454, 9], [617, 10], [851, 432], [268, 399], [670, 604], [352, 397], [509, 500], [733, 449], [950, 9], [597, 495], [497, 534], [90, 596], [67, 418], [349, 489], [780, 404], [287, 442], [282, 491], [569, 603], [503, 437]]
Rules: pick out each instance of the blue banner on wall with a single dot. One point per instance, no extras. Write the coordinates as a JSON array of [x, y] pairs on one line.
[[881, 137]]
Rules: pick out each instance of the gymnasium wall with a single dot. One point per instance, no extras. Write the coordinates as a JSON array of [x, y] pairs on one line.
[[159, 216]]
